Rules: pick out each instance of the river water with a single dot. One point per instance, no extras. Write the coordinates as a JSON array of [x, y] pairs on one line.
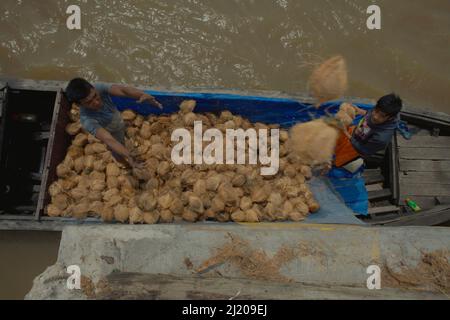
[[232, 44], [23, 256], [245, 44]]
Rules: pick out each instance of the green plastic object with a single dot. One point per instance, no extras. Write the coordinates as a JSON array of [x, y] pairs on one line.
[[413, 205]]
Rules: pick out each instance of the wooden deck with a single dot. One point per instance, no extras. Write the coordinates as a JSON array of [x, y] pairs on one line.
[[424, 169]]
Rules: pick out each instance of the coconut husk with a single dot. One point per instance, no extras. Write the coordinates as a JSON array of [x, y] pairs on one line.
[[91, 181], [163, 168], [136, 216], [63, 171], [166, 216], [189, 119], [96, 207], [151, 217], [98, 185], [73, 128], [121, 213], [239, 216], [92, 139], [189, 215], [99, 165], [61, 201], [329, 81], [246, 203], [145, 131], [74, 114], [251, 215], [55, 188], [74, 152], [95, 196], [107, 214], [187, 106], [80, 210], [53, 211], [80, 140], [176, 207], [112, 170], [128, 115], [313, 142], [146, 201], [296, 216], [217, 205], [99, 147]]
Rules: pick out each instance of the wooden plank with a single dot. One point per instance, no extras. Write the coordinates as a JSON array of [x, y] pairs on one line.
[[437, 120], [378, 195], [425, 165], [394, 172], [433, 217], [132, 286], [373, 179], [425, 177], [426, 114], [368, 172], [424, 141], [425, 189], [49, 151], [425, 153], [374, 187], [18, 217], [443, 200], [381, 210]]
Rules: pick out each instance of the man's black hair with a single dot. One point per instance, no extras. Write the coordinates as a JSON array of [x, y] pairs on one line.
[[77, 90], [390, 104]]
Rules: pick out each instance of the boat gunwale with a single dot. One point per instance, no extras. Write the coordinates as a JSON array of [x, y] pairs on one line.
[[57, 86]]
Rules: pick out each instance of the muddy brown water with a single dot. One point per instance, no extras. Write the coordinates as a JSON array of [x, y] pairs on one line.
[[23, 256], [233, 44], [245, 44]]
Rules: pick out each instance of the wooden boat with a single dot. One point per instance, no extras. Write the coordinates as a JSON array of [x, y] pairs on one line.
[[417, 169], [34, 114]]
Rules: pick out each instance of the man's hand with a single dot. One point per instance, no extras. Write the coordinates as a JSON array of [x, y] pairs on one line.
[[150, 99], [130, 92], [135, 164], [326, 168], [347, 134]]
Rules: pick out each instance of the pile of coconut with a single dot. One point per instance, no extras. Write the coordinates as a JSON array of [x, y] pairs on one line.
[[92, 184]]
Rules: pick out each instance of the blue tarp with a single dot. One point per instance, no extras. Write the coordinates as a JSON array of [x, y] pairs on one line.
[[332, 207], [352, 189], [286, 112]]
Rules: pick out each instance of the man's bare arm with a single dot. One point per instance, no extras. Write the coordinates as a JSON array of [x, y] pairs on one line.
[[104, 136], [130, 92]]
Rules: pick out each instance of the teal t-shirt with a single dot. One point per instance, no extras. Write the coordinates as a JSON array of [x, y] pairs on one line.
[[108, 117]]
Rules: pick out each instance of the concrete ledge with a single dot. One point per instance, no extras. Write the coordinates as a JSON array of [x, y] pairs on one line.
[[328, 256]]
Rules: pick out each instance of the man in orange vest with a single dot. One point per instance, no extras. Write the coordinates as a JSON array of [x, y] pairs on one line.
[[372, 134]]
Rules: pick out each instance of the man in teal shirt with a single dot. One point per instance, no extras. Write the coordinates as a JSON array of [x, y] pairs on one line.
[[99, 115]]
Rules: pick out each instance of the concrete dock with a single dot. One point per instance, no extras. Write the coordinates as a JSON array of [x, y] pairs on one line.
[[253, 261]]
